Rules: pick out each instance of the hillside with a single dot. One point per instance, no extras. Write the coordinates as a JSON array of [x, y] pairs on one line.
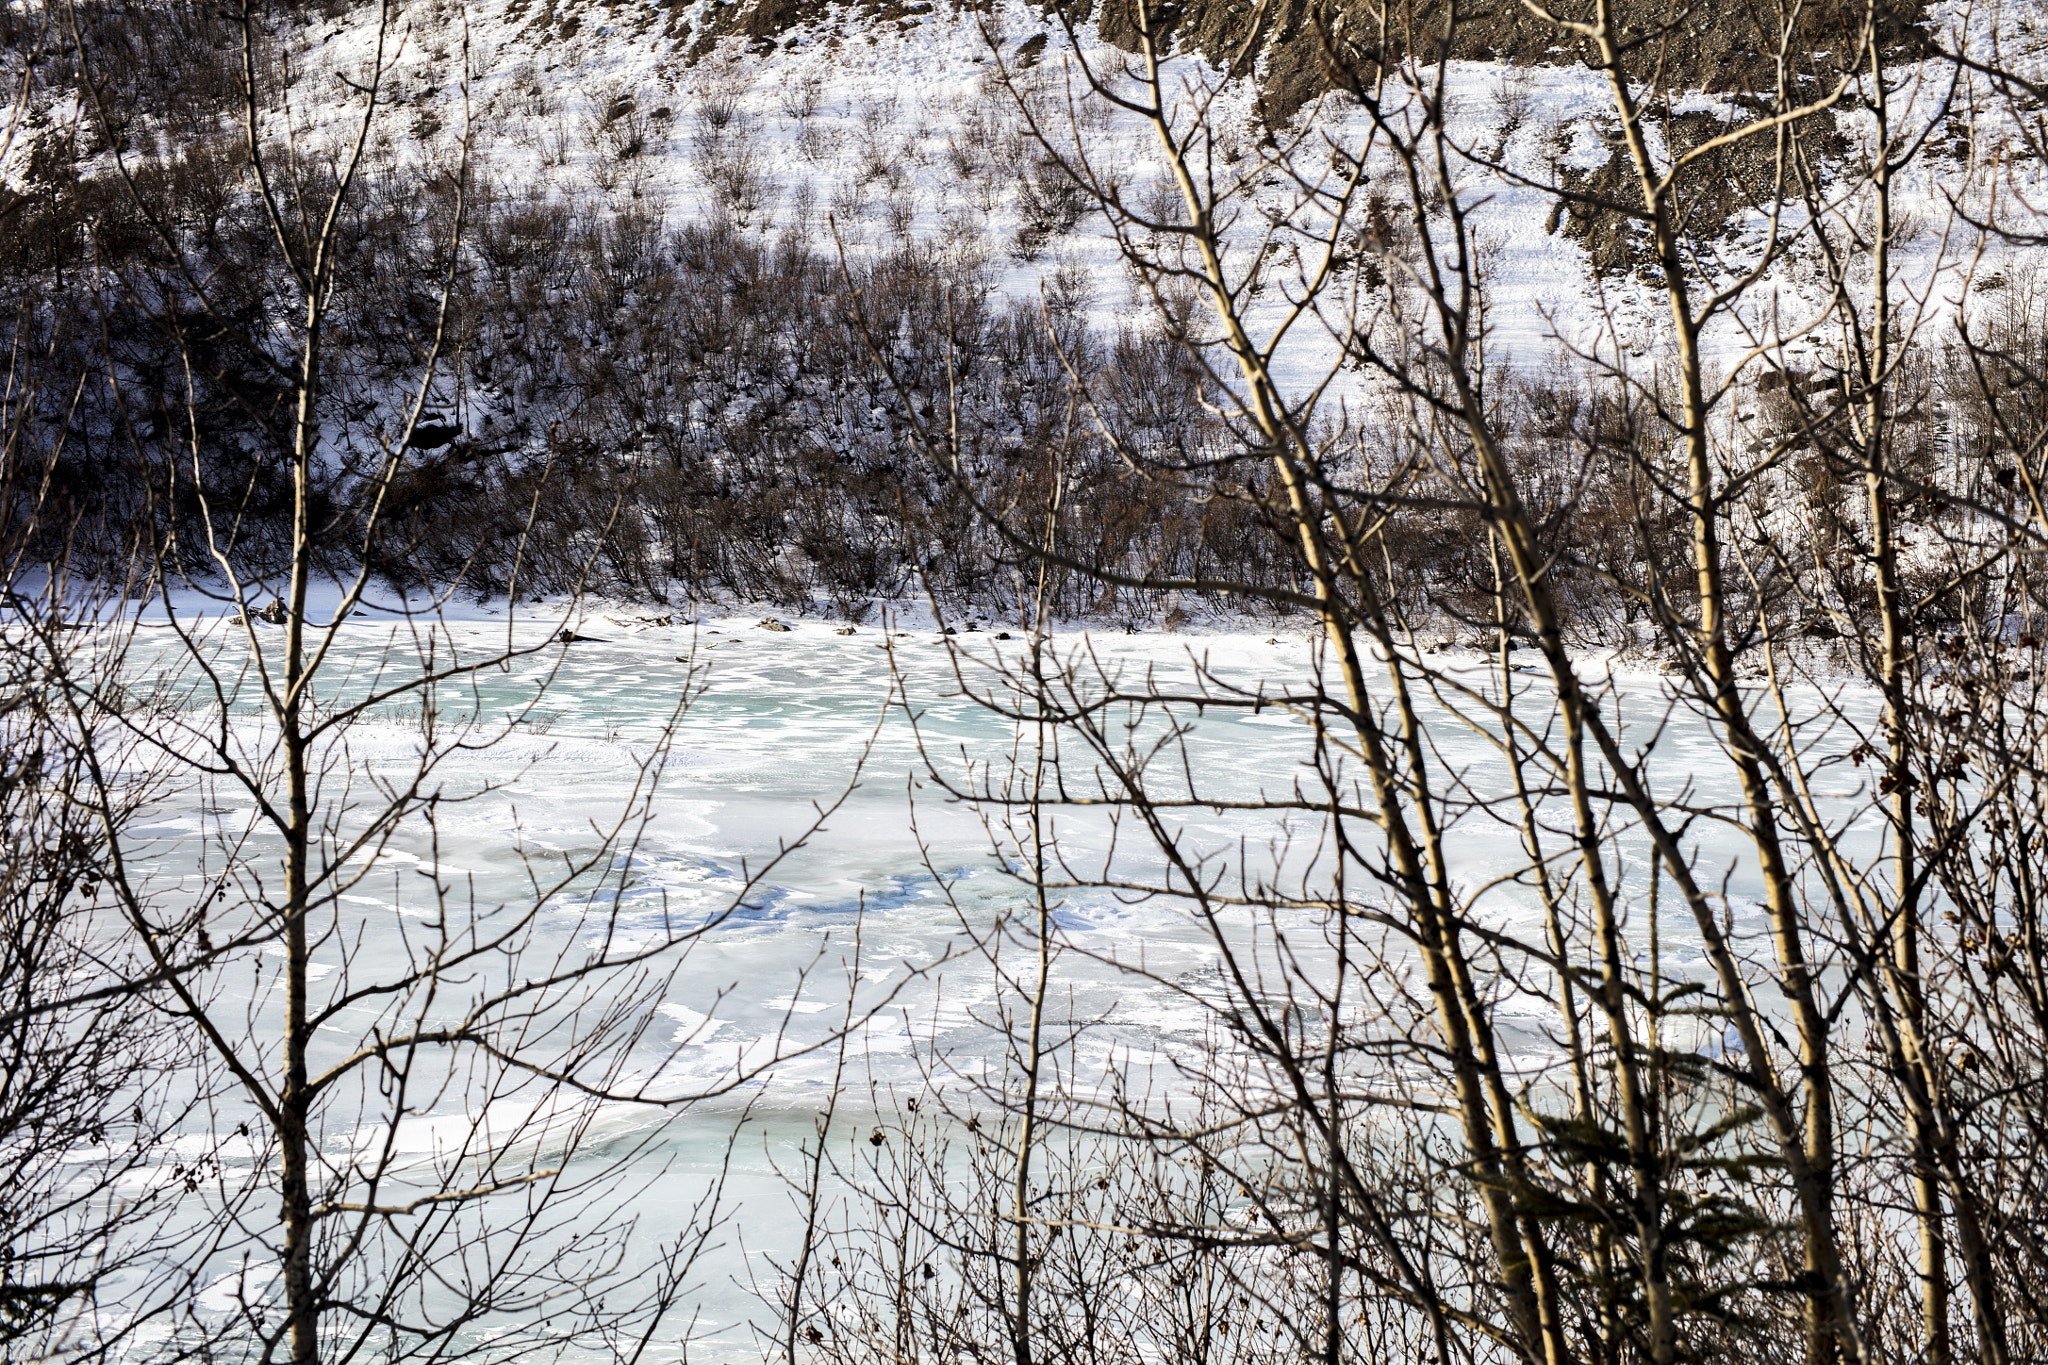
[[665, 213]]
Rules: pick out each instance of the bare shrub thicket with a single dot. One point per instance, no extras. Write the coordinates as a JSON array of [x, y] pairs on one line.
[[91, 1107], [1556, 1016], [702, 369], [704, 373], [699, 374]]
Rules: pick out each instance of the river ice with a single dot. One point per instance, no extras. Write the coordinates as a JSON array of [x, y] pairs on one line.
[[782, 724]]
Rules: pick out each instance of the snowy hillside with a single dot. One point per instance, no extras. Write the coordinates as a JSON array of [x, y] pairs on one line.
[[652, 315]]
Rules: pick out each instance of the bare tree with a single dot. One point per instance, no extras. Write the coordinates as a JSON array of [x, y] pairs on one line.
[[1668, 1083], [420, 1104]]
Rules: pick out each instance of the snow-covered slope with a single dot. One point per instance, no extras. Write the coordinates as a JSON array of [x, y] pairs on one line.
[[861, 127]]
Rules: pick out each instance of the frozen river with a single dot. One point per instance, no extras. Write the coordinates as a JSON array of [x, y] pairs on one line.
[[781, 725]]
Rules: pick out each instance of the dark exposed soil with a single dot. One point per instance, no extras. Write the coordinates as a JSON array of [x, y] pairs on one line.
[[1721, 46], [765, 24], [1730, 182], [1678, 45]]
